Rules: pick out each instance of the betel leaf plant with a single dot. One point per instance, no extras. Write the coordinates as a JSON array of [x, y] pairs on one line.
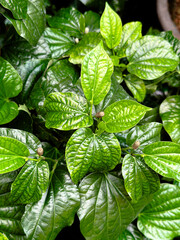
[[89, 125]]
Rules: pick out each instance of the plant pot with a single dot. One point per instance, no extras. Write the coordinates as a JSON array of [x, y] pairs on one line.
[[165, 17]]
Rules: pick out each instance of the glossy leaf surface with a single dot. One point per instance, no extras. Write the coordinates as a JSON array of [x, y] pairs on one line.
[[162, 214], [151, 57], [86, 151], [92, 21], [66, 111], [30, 183], [170, 115], [56, 209], [17, 7], [131, 233], [96, 72], [111, 27], [164, 158], [122, 115], [130, 33], [139, 179]]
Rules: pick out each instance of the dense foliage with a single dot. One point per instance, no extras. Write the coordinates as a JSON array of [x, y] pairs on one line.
[[90, 125]]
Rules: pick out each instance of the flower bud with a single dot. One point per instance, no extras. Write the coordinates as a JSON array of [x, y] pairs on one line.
[[99, 114], [86, 30], [76, 40], [136, 144], [40, 151]]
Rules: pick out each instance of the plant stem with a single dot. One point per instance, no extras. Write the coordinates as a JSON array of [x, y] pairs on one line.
[[53, 169]]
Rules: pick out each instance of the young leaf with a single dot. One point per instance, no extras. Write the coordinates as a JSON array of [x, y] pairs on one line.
[[30, 183], [136, 86], [164, 158], [13, 154], [145, 134], [122, 115], [139, 179], [59, 42], [162, 214], [56, 209], [170, 115], [11, 86], [86, 151], [106, 209], [17, 7], [111, 27], [151, 57], [31, 27], [66, 111], [130, 33], [96, 72], [131, 233], [3, 236]]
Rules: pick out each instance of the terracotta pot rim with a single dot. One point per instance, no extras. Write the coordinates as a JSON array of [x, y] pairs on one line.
[[165, 18]]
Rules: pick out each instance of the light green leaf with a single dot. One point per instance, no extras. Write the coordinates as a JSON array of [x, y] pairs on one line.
[[13, 154], [96, 72], [164, 158], [111, 27], [130, 32], [160, 219], [145, 134], [3, 236], [170, 115], [66, 111], [106, 209], [68, 20], [17, 7], [32, 27], [131, 233], [139, 179], [59, 42], [136, 86], [86, 151], [151, 57], [30, 183], [122, 115], [92, 21], [56, 209]]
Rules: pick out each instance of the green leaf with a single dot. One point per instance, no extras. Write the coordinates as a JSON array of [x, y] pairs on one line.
[[17, 7], [92, 21], [32, 27], [106, 209], [30, 183], [139, 179], [145, 134], [162, 215], [151, 57], [122, 115], [150, 116], [164, 158], [11, 86], [86, 151], [3, 236], [136, 86], [131, 233], [111, 27], [66, 111], [170, 115], [96, 72], [68, 20], [31, 141], [130, 32], [56, 209], [59, 42], [86, 44]]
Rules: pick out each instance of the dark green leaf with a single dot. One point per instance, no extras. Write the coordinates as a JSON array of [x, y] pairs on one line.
[[151, 57], [96, 72], [122, 115], [164, 158], [131, 233], [59, 42], [17, 7], [111, 27], [32, 27], [56, 209], [150, 116], [139, 179], [161, 218], [68, 20], [145, 134], [130, 33], [86, 151], [92, 21], [170, 115], [30, 183], [66, 111]]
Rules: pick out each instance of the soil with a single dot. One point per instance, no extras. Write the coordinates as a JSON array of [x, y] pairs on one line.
[[175, 12]]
